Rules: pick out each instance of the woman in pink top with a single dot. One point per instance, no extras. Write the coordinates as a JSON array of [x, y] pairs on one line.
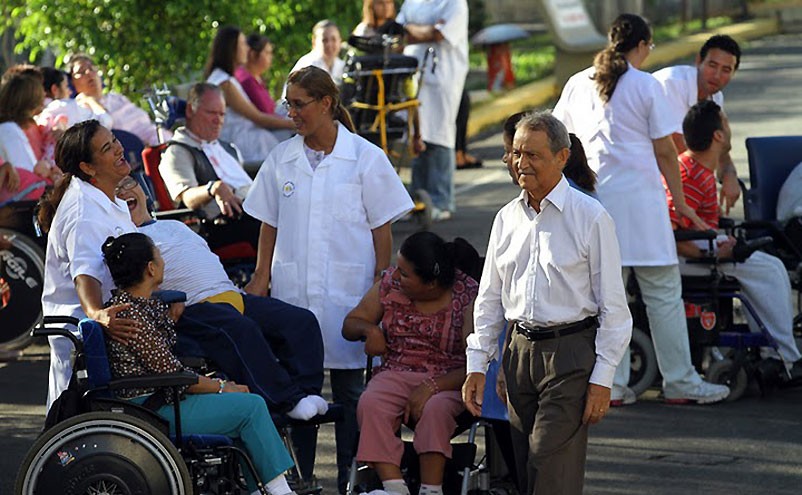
[[425, 307], [260, 58]]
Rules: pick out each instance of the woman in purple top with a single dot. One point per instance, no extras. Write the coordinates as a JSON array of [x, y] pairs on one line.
[[260, 58]]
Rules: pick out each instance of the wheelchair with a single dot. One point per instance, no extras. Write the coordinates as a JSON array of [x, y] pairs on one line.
[[22, 267], [107, 445], [380, 90], [724, 350]]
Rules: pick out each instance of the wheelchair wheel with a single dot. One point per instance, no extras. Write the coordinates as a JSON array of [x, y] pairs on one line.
[[723, 373], [103, 452], [22, 267], [643, 362]]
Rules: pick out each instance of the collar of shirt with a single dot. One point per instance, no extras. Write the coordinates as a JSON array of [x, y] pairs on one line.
[[195, 138], [555, 197], [97, 196], [344, 147]]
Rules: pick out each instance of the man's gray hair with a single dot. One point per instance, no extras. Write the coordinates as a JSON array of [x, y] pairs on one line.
[[197, 91], [551, 125]]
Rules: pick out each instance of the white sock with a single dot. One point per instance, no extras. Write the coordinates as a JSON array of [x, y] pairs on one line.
[[303, 410], [398, 487], [277, 486], [430, 489], [320, 402]]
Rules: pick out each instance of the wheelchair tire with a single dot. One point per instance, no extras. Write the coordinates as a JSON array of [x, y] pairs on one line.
[[643, 362], [23, 268], [102, 452], [723, 373]]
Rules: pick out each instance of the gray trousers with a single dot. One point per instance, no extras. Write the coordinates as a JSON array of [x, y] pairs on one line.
[[546, 387]]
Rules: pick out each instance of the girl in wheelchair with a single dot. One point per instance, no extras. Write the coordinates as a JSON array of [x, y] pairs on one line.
[[209, 406], [425, 308]]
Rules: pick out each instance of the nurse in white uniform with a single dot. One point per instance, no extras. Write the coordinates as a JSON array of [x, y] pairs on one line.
[[78, 215], [327, 198], [619, 114]]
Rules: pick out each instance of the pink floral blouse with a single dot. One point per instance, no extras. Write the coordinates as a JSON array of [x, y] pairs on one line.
[[430, 343]]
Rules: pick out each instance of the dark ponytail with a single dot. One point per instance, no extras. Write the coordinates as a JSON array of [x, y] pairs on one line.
[[434, 259], [626, 32], [74, 147], [318, 83], [127, 257]]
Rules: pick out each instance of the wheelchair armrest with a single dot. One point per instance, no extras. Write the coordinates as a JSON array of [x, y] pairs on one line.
[[743, 250], [174, 214], [726, 223], [170, 296], [681, 235], [194, 362], [155, 381]]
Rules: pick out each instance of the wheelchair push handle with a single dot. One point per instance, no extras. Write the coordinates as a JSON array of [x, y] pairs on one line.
[[681, 235], [46, 328]]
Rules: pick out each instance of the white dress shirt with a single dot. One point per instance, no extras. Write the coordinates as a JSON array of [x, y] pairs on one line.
[[558, 266], [682, 92], [15, 147]]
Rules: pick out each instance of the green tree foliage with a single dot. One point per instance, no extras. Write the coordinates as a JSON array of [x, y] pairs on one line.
[[141, 42]]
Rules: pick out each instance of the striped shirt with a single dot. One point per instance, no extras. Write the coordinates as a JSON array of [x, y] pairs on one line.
[[699, 186]]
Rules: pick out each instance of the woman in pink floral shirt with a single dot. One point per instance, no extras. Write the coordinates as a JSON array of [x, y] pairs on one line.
[[425, 308]]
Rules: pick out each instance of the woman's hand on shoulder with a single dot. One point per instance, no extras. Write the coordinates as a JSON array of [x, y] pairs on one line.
[[120, 329], [375, 343], [176, 310], [257, 286]]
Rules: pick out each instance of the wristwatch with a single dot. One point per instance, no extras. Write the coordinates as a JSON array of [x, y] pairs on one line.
[[209, 187]]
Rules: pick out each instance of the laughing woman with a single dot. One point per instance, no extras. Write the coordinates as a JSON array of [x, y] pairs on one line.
[[79, 214]]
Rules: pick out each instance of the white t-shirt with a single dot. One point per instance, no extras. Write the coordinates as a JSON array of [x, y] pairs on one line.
[[682, 92], [15, 147], [189, 265], [324, 257], [441, 90], [617, 137]]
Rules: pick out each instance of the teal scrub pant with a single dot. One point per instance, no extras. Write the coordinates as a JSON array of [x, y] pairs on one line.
[[236, 415]]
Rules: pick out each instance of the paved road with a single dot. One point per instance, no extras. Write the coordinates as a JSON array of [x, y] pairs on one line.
[[750, 446]]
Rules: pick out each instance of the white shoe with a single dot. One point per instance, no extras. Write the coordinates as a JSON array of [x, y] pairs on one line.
[[622, 396], [704, 393], [439, 215]]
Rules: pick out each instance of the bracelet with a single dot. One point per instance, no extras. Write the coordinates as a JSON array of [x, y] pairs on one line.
[[432, 385], [222, 384], [209, 187]]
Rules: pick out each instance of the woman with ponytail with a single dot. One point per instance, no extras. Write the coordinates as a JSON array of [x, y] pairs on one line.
[[78, 215], [425, 307], [619, 114], [327, 198]]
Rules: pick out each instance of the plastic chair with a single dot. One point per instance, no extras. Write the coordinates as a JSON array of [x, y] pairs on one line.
[[771, 160], [132, 146]]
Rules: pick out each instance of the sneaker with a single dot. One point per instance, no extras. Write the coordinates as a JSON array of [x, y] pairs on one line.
[[622, 396], [439, 215], [704, 393]]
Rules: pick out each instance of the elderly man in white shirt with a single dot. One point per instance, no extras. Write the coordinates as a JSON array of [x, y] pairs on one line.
[[553, 270], [206, 174], [685, 85], [443, 26]]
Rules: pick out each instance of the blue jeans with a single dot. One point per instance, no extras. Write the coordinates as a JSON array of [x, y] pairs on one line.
[[433, 171], [236, 415]]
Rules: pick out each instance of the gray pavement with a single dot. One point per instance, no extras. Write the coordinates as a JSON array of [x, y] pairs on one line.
[[750, 446]]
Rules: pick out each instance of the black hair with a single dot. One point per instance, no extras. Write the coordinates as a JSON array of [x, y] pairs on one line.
[[724, 43], [224, 51], [51, 76], [127, 257], [700, 123], [626, 33], [434, 259], [74, 147], [576, 167], [511, 123], [257, 42]]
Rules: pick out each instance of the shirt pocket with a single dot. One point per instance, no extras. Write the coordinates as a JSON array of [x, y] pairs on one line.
[[285, 283], [347, 203], [558, 256], [347, 283]]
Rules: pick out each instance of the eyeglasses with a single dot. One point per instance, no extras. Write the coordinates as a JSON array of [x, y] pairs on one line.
[[126, 184], [77, 74], [296, 105]]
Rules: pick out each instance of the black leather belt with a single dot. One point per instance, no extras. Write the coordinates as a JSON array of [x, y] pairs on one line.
[[534, 333]]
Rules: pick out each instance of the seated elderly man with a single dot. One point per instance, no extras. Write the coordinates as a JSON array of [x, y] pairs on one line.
[[271, 346], [206, 174], [114, 111], [762, 277]]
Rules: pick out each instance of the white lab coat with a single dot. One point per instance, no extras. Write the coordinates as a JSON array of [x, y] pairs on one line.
[[324, 257], [84, 219], [682, 92], [617, 137], [441, 90]]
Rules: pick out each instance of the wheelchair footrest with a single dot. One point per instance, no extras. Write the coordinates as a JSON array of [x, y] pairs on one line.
[[741, 340]]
